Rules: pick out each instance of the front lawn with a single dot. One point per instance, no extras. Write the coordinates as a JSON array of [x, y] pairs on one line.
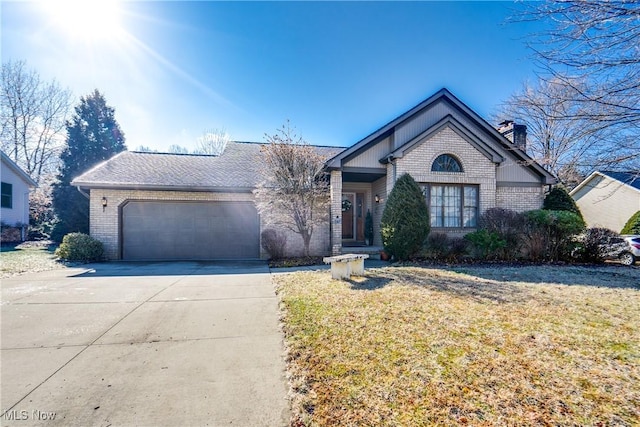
[[410, 346], [27, 257]]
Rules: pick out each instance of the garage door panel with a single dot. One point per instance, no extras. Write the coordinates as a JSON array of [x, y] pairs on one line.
[[190, 231]]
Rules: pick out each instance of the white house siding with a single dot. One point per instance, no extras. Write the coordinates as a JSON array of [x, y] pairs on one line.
[[19, 212], [605, 202]]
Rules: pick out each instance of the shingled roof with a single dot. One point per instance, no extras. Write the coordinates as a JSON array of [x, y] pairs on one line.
[[629, 178], [237, 169]]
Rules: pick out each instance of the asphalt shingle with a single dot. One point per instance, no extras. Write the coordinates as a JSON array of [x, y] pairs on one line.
[[629, 178], [237, 167]]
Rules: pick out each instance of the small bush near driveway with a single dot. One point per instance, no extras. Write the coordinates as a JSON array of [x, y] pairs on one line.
[[528, 345], [80, 247]]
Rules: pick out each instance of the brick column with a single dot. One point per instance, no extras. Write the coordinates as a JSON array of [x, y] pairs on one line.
[[336, 212]]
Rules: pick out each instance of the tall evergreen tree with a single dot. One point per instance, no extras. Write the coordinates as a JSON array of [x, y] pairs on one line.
[[93, 135]]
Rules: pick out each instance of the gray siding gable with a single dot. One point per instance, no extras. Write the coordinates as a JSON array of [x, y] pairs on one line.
[[408, 127], [449, 121]]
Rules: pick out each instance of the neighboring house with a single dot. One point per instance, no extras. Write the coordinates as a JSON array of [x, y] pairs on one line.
[[608, 199], [16, 185], [169, 206]]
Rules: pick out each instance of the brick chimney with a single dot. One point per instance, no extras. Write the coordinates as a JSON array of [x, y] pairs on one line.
[[515, 133]]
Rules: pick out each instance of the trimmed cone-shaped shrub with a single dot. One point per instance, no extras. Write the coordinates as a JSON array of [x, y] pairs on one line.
[[80, 247], [405, 221], [559, 200], [633, 225]]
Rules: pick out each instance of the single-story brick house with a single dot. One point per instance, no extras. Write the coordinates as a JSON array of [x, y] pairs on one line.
[[16, 185], [608, 199], [169, 206]]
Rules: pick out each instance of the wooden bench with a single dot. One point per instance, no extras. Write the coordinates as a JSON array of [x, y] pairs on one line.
[[343, 266]]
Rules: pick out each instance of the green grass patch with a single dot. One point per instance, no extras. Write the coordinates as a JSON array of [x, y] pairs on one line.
[[420, 346]]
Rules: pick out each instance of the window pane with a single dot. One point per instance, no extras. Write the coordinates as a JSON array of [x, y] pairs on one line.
[[470, 206], [451, 202], [446, 163], [7, 195], [437, 219]]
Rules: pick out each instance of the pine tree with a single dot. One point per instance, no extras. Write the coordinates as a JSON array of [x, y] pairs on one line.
[[93, 135], [405, 220]]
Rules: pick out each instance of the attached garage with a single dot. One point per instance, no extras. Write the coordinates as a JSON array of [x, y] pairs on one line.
[[174, 230]]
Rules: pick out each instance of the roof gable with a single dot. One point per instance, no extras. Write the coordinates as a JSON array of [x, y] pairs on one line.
[[7, 162], [629, 179], [450, 122], [442, 97]]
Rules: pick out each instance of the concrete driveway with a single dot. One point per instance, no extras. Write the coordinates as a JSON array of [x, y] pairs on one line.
[[143, 344]]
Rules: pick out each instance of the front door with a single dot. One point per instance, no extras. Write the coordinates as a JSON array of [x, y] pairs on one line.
[[352, 217]]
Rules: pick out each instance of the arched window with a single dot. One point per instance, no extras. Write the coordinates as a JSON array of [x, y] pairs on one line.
[[446, 163]]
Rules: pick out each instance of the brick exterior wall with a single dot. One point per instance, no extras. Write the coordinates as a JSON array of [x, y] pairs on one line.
[[477, 168], [520, 198], [336, 212], [378, 187]]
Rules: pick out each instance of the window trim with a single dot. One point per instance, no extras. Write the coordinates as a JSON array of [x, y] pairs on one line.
[[6, 195], [427, 194], [450, 156]]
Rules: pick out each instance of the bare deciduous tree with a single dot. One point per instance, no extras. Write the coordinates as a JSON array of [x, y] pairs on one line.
[[294, 193], [591, 48], [212, 142], [177, 149], [596, 42], [561, 137], [32, 121]]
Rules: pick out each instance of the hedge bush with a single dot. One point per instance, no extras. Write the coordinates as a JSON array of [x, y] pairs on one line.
[[405, 220], [551, 235], [509, 226], [559, 200], [486, 244], [274, 242], [80, 247], [633, 225], [598, 244]]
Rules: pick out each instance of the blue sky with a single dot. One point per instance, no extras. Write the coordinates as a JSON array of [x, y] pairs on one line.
[[337, 70]]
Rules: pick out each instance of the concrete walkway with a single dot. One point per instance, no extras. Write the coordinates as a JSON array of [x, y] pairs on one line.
[[143, 344]]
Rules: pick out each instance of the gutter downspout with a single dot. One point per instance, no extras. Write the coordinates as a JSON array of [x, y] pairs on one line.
[[83, 193]]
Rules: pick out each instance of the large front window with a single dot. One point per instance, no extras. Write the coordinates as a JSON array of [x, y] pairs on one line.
[[452, 206]]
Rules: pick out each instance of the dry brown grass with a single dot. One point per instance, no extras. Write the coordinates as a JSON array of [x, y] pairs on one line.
[[27, 258], [488, 346]]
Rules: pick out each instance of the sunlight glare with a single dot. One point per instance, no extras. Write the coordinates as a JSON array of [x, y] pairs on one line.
[[91, 20]]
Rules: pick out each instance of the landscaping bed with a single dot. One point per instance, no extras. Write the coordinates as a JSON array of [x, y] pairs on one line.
[[476, 344]]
